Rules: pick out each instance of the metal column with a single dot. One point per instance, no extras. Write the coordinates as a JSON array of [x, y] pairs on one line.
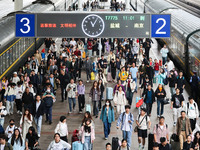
[[18, 5], [79, 5], [127, 5]]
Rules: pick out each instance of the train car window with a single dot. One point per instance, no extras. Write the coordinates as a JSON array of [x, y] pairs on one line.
[[103, 0]]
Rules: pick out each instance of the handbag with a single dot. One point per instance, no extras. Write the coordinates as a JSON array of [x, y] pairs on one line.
[[166, 101], [165, 81], [136, 128]]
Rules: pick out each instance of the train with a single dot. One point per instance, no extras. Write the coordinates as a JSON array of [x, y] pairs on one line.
[[14, 51], [183, 24]]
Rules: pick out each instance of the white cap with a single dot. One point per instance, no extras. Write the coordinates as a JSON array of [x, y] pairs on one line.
[[14, 72]]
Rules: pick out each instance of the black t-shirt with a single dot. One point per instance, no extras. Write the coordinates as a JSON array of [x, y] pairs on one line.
[[102, 63], [177, 100]]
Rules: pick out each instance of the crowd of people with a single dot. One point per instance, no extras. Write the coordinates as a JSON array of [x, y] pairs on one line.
[[33, 88]]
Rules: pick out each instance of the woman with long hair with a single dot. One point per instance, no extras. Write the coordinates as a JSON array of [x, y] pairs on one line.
[[161, 76], [160, 94], [87, 135], [102, 88], [17, 141], [3, 86], [25, 122], [100, 75], [107, 116], [31, 139], [95, 93], [86, 116]]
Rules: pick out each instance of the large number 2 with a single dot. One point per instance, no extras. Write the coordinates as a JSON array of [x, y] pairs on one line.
[[163, 25], [26, 25]]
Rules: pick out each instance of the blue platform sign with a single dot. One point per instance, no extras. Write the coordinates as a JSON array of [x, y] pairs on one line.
[[25, 25], [160, 26]]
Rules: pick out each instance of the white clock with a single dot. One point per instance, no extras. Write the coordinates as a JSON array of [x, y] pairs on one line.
[[93, 25]]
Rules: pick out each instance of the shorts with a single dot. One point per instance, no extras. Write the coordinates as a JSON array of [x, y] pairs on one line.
[[142, 133]]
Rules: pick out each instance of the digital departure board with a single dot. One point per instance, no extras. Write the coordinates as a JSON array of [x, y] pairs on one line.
[[83, 25]]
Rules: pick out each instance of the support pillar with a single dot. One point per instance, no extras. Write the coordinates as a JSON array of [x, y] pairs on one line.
[[127, 5], [18, 5], [79, 5]]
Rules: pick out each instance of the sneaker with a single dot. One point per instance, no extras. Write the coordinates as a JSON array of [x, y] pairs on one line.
[[158, 116], [87, 81], [39, 135], [80, 112], [50, 122], [140, 146], [174, 124], [70, 112], [106, 138], [96, 117], [20, 113], [11, 113]]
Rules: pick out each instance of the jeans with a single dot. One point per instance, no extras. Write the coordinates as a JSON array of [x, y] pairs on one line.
[[127, 135], [9, 106], [135, 79], [49, 114], [87, 145], [95, 108], [81, 102], [38, 122], [164, 59], [117, 76], [89, 53], [160, 102], [129, 96], [172, 91], [70, 103], [2, 121], [107, 126]]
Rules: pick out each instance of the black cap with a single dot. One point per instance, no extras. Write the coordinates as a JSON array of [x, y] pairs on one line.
[[144, 109]]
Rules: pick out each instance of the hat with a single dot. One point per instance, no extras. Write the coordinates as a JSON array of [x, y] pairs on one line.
[[14, 72]]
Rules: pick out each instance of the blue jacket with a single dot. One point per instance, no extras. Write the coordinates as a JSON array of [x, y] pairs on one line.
[[161, 77], [111, 116], [130, 117]]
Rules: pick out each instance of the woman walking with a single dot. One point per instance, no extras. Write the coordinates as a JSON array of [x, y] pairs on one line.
[[160, 94], [107, 116], [95, 93]]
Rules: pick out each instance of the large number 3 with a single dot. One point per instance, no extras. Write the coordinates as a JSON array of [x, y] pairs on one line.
[[26, 25], [163, 25]]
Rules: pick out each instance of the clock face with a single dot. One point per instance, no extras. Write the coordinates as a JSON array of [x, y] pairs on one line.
[[93, 25]]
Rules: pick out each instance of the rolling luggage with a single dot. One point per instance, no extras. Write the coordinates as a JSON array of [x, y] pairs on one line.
[[115, 143], [88, 108], [150, 141], [77, 145], [109, 93]]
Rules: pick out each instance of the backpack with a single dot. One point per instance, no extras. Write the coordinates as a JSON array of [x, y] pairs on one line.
[[48, 101], [157, 126], [188, 106], [142, 119], [124, 114]]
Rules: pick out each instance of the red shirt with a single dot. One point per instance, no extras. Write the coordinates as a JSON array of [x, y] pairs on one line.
[[156, 66]]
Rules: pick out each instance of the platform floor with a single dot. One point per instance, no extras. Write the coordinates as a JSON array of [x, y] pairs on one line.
[[74, 119]]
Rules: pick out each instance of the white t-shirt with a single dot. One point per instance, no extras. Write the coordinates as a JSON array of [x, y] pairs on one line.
[[2, 147], [126, 126], [144, 123], [162, 127]]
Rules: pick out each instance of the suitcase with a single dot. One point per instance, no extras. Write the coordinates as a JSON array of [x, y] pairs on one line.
[[150, 141], [115, 143], [88, 108], [77, 145], [109, 93], [109, 77]]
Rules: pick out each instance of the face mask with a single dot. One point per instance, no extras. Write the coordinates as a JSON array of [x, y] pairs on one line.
[[48, 91], [171, 73], [142, 64], [129, 77], [134, 57], [11, 124], [107, 104]]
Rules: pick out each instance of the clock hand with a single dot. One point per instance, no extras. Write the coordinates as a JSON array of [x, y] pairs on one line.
[[95, 21], [92, 24]]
